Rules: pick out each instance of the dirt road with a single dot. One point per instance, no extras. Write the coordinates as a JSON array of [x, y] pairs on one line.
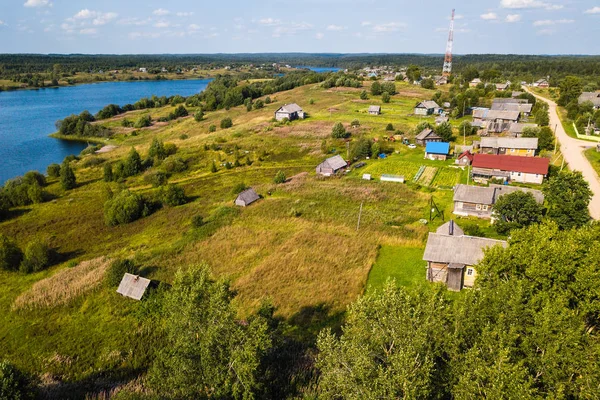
[[572, 150]]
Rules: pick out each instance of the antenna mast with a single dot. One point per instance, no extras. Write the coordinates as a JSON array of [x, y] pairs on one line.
[[448, 59]]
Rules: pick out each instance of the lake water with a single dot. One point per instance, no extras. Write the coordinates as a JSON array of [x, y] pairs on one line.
[[321, 69], [27, 117]]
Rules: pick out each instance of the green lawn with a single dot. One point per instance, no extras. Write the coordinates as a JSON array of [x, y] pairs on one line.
[[403, 264], [593, 157]]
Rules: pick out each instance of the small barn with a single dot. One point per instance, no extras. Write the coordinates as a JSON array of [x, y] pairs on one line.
[[427, 108], [246, 198], [437, 150], [290, 111], [374, 110], [331, 166], [133, 286], [427, 135]]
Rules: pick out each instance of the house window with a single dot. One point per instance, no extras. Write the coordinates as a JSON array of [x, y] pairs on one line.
[[470, 271], [512, 150], [478, 207], [484, 207]]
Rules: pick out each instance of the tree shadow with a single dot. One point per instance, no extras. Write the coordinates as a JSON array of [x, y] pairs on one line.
[[10, 214]]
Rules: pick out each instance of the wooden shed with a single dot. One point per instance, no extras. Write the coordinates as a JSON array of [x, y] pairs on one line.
[[331, 166], [246, 198], [133, 286]]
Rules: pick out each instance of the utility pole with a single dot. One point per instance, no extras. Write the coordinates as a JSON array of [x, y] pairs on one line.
[[555, 139], [359, 214]]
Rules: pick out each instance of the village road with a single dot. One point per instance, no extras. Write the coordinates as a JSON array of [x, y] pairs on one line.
[[572, 150]]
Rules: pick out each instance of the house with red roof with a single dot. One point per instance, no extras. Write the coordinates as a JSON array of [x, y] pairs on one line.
[[509, 168], [465, 158]]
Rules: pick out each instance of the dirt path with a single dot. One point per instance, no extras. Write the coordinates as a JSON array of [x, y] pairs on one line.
[[572, 150]]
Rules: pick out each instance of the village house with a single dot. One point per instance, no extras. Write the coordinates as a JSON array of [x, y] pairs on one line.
[[428, 107], [133, 286], [427, 135], [508, 145], [523, 108], [464, 158], [501, 87], [374, 110], [509, 168], [441, 119], [331, 166], [440, 80], [437, 150], [593, 97], [143, 70], [496, 116], [290, 111], [451, 256], [247, 197], [516, 129], [478, 201], [474, 82], [542, 83]]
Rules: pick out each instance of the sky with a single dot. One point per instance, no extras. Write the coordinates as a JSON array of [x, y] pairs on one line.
[[311, 26]]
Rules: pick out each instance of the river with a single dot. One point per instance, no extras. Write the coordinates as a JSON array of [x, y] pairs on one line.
[[27, 117]]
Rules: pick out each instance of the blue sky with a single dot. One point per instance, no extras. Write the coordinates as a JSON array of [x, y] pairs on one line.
[[345, 26]]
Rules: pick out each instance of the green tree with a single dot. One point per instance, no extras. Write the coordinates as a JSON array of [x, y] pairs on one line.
[[226, 123], [124, 207], [355, 123], [280, 177], [180, 111], [53, 170], [465, 128], [133, 163], [361, 148], [385, 97], [546, 138], [37, 257], [13, 384], [338, 131], [570, 90], [10, 254], [212, 128], [376, 89], [67, 176], [173, 195], [413, 73], [444, 130], [375, 150], [108, 173], [199, 115], [143, 122], [364, 95], [568, 195], [428, 84], [259, 104], [157, 150], [389, 127], [213, 167], [209, 354], [516, 210], [117, 269]]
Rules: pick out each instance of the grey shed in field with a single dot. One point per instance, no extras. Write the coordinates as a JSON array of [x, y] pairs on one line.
[[246, 198], [133, 286]]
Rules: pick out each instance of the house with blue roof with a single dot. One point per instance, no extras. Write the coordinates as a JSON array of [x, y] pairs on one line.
[[437, 150]]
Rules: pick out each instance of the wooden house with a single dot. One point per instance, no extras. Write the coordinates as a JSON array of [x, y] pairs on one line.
[[478, 201], [133, 286], [246, 198], [474, 82], [427, 135], [509, 168], [516, 129], [542, 83], [374, 110], [592, 97], [427, 108], [437, 150], [331, 166], [451, 256], [290, 111], [523, 108], [464, 158], [508, 145]]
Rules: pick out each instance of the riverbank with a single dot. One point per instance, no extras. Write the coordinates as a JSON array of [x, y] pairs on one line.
[[79, 139]]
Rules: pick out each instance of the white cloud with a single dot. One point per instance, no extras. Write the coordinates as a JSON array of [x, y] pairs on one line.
[[291, 28], [2, 23], [269, 22], [366, 23], [161, 11], [85, 14], [319, 36], [546, 32], [194, 27], [335, 28], [104, 18], [162, 24], [88, 31], [489, 16], [388, 27], [595, 10], [513, 18], [134, 21], [523, 4], [37, 3], [549, 22], [185, 13], [142, 35], [99, 18]]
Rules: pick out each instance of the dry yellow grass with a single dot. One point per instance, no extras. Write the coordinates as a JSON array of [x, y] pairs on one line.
[[64, 286]]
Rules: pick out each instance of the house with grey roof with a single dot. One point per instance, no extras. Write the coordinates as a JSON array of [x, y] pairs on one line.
[[474, 82], [331, 166], [246, 198], [290, 111], [515, 129], [133, 286], [452, 256], [428, 107], [374, 110], [593, 97], [523, 108], [427, 135], [487, 115], [478, 201], [509, 145]]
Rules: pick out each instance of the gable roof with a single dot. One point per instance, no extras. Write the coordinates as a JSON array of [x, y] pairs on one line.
[[476, 80], [133, 286], [248, 196], [517, 127], [428, 104], [427, 133], [466, 250], [474, 194], [467, 154], [504, 100], [437, 148], [509, 142], [374, 108], [594, 97], [505, 189], [450, 228], [520, 107], [335, 163], [530, 165], [290, 108]]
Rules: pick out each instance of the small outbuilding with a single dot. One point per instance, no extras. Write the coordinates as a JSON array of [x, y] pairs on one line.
[[133, 286], [392, 178], [427, 107], [437, 150], [465, 158], [331, 166], [246, 198], [290, 111], [374, 110], [427, 135]]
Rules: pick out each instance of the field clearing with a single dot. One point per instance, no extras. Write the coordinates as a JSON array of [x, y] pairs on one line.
[[448, 177], [402, 264], [427, 176], [594, 158]]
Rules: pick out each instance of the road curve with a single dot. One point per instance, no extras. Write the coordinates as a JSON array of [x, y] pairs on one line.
[[572, 150]]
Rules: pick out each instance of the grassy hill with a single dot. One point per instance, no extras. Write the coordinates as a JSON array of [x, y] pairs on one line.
[[298, 246]]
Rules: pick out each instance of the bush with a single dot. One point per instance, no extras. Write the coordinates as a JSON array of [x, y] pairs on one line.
[[10, 254], [67, 176], [92, 162], [280, 177], [239, 188], [197, 221], [338, 131], [38, 256], [385, 97], [355, 123], [267, 100], [199, 115], [126, 123], [259, 104], [143, 122], [116, 270], [173, 195], [108, 173], [213, 167], [13, 385], [174, 164], [473, 230], [133, 163], [124, 208], [212, 128], [34, 177], [156, 178], [226, 123], [179, 112], [364, 95], [53, 170], [389, 127]]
